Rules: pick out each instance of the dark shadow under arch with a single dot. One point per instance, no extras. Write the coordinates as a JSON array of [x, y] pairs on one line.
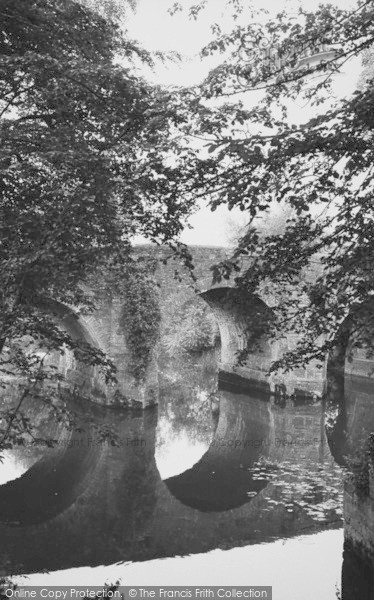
[[242, 320]]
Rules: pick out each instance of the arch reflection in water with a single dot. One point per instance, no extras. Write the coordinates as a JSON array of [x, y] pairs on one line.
[[220, 480], [50, 477], [102, 503], [260, 447]]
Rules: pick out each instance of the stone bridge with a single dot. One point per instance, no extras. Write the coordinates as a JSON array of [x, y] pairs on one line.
[[176, 288]]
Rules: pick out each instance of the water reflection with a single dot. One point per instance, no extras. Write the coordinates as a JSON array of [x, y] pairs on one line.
[[357, 576], [300, 568], [351, 422], [258, 443], [186, 481], [13, 465]]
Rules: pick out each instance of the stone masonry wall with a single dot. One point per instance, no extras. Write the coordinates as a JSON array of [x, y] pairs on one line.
[[177, 287]]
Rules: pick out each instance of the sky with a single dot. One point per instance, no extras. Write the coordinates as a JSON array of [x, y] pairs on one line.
[[157, 30]]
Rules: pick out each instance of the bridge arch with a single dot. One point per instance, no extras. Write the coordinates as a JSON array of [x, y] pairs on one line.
[[236, 318], [85, 378], [240, 319]]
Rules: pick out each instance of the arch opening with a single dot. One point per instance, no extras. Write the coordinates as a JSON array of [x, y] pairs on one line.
[[211, 329], [211, 479], [188, 368], [242, 321]]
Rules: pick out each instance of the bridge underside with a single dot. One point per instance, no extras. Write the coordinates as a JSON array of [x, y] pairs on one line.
[[244, 321]]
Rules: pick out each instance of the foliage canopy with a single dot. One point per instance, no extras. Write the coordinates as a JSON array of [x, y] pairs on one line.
[[320, 169], [92, 155], [83, 168]]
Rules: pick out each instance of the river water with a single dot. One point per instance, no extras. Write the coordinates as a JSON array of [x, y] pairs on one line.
[[213, 487]]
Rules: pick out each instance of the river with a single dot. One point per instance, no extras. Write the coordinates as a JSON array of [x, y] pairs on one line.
[[216, 486]]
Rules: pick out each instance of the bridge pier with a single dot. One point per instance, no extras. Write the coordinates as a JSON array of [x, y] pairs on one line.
[[103, 330], [108, 333]]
